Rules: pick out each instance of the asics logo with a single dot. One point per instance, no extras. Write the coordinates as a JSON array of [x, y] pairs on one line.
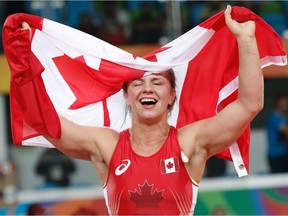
[[122, 167]]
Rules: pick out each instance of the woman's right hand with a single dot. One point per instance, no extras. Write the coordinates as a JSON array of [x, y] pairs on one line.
[[26, 26]]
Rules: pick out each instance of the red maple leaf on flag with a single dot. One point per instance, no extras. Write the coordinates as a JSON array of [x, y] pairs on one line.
[[146, 197], [90, 85], [170, 165]]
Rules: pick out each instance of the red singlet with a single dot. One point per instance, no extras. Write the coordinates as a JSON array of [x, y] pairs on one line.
[[158, 184]]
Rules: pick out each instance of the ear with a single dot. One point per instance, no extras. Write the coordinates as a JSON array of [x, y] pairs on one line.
[[126, 98], [172, 97]]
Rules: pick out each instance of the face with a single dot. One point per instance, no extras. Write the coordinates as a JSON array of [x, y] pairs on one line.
[[150, 97], [283, 104]]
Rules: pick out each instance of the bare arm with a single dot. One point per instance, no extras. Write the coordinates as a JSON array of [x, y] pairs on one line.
[[84, 142], [87, 143], [213, 135]]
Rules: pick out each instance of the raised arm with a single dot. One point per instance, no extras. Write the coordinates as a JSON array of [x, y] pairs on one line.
[[213, 135], [85, 142], [82, 142]]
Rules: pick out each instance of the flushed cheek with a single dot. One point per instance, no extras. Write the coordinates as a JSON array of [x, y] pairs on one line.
[[131, 97]]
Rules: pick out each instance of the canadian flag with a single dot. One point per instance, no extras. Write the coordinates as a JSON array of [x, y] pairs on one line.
[[68, 72], [170, 165]]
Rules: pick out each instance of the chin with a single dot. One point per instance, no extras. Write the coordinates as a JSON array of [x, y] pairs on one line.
[[150, 117]]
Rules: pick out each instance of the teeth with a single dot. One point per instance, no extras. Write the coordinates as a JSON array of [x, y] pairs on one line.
[[148, 100]]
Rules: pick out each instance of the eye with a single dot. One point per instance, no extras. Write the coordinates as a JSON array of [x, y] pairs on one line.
[[137, 83], [157, 83]]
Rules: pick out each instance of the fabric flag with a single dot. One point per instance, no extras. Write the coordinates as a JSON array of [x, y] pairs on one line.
[[170, 165], [68, 72]]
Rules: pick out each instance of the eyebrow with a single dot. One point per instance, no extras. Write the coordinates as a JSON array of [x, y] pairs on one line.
[[153, 79]]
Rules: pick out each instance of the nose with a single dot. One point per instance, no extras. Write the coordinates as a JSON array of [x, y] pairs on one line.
[[148, 87]]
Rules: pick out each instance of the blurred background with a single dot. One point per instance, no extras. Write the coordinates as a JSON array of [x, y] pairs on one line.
[[45, 182]]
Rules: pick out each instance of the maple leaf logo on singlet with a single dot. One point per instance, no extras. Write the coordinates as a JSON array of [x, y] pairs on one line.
[[146, 197], [170, 165]]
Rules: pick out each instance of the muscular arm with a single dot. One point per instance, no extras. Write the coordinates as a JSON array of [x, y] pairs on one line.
[[85, 142], [211, 136]]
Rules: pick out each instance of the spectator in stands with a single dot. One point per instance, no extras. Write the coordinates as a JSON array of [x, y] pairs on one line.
[[115, 25], [56, 168], [147, 25], [277, 131], [86, 25]]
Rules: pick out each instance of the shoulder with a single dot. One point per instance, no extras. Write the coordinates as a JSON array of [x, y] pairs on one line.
[[191, 138], [106, 135], [188, 134], [106, 140]]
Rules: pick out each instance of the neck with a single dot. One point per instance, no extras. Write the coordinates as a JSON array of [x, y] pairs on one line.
[[148, 139]]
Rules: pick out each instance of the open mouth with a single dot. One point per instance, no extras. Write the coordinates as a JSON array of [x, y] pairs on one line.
[[148, 101]]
